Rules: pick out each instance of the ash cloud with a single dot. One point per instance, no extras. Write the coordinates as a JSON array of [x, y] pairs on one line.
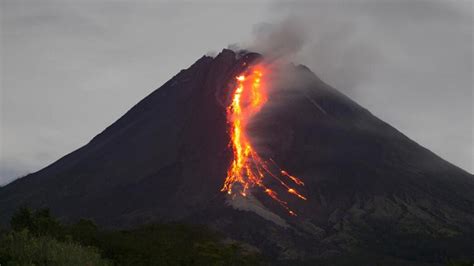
[[409, 62], [282, 40], [322, 38]]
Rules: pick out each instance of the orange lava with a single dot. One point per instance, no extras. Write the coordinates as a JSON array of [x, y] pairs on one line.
[[248, 169]]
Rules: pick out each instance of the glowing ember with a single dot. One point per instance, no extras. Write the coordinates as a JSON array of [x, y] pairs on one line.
[[248, 169]]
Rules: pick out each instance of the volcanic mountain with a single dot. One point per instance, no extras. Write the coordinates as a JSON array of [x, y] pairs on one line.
[[368, 188]]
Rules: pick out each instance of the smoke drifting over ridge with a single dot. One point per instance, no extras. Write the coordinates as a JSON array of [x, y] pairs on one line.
[[324, 41], [407, 62], [282, 40]]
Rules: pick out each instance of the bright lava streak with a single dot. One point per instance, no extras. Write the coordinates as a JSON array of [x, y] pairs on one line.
[[248, 169]]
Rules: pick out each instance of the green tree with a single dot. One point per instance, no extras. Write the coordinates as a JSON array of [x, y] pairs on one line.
[[21, 219], [38, 238], [21, 248], [38, 223]]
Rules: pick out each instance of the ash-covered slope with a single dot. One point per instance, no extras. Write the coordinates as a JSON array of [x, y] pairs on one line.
[[368, 186]]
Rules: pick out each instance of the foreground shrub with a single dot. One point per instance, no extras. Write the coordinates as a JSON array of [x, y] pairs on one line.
[[22, 248]]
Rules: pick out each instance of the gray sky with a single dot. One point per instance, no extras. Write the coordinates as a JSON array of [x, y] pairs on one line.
[[71, 68]]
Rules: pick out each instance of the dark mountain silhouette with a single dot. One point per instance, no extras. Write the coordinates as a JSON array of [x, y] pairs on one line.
[[370, 189]]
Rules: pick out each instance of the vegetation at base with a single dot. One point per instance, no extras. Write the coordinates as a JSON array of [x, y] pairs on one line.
[[21, 248], [37, 238]]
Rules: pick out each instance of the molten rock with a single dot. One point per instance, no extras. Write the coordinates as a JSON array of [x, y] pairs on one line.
[[355, 182]]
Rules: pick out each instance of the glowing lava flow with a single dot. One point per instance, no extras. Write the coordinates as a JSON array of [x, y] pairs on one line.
[[248, 169]]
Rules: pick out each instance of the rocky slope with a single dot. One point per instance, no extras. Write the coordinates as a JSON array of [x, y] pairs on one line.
[[369, 187]]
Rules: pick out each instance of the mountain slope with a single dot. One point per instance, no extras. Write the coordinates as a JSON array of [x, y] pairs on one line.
[[166, 160]]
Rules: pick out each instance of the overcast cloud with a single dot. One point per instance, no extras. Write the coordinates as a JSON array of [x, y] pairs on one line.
[[71, 68]]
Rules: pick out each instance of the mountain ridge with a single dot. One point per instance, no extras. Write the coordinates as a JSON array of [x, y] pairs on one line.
[[167, 157]]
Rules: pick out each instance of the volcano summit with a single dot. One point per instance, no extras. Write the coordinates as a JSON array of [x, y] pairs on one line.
[[357, 185]]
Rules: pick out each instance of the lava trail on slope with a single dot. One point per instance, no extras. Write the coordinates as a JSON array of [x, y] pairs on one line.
[[248, 169]]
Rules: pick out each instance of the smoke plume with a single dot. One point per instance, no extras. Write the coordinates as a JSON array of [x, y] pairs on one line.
[[403, 60]]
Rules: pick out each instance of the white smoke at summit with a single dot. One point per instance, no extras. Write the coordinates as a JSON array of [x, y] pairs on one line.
[[408, 62]]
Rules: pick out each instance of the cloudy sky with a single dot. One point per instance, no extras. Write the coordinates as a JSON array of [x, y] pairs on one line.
[[69, 68]]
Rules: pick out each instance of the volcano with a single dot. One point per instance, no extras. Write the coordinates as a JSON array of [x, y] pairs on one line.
[[367, 188]]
